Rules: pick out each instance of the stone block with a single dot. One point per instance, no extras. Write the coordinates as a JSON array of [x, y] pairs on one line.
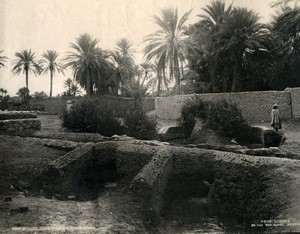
[[62, 175], [272, 138], [171, 133], [151, 182]]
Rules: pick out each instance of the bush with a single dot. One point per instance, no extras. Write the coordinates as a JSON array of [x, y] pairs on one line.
[[226, 119], [138, 125], [88, 116], [223, 117], [4, 102], [192, 109]]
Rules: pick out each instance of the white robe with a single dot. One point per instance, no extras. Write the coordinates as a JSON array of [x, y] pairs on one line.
[[275, 119]]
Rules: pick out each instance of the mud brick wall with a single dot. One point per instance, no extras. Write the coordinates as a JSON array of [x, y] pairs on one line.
[[295, 100], [255, 106], [119, 105], [20, 127], [151, 182], [131, 158], [243, 184], [257, 186]]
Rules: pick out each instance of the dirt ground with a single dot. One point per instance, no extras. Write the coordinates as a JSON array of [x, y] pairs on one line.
[[114, 211]]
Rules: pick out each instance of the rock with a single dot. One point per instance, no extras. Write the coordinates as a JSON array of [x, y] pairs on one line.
[[171, 133], [273, 138], [151, 182]]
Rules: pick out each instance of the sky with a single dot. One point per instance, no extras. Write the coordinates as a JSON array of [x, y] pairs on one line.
[[41, 25]]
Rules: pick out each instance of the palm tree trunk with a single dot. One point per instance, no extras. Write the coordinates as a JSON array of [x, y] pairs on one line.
[[144, 79], [26, 77], [51, 83], [88, 83], [182, 70], [164, 77], [158, 85], [236, 79], [177, 73]]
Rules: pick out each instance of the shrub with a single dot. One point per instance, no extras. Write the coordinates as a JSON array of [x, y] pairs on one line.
[[88, 116], [192, 109], [138, 125], [223, 117], [4, 102], [226, 119]]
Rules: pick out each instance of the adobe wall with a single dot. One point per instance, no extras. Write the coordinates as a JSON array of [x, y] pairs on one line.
[[117, 104], [255, 106], [260, 187], [295, 100]]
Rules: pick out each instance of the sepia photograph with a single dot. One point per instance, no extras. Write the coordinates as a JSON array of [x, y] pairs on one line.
[[149, 116]]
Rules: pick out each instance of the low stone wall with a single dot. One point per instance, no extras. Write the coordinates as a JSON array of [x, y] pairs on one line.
[[261, 187], [20, 127], [255, 106], [151, 182], [5, 115], [131, 158], [64, 175], [19, 123], [253, 186]]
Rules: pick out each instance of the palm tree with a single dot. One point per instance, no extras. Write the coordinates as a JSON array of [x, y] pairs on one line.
[[2, 91], [50, 64], [25, 62], [3, 59], [168, 44], [24, 94], [75, 89], [68, 84], [215, 16], [88, 62], [204, 34], [283, 3], [285, 27], [238, 40], [155, 80], [5, 92], [125, 48], [39, 95], [145, 72], [123, 62], [72, 87]]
